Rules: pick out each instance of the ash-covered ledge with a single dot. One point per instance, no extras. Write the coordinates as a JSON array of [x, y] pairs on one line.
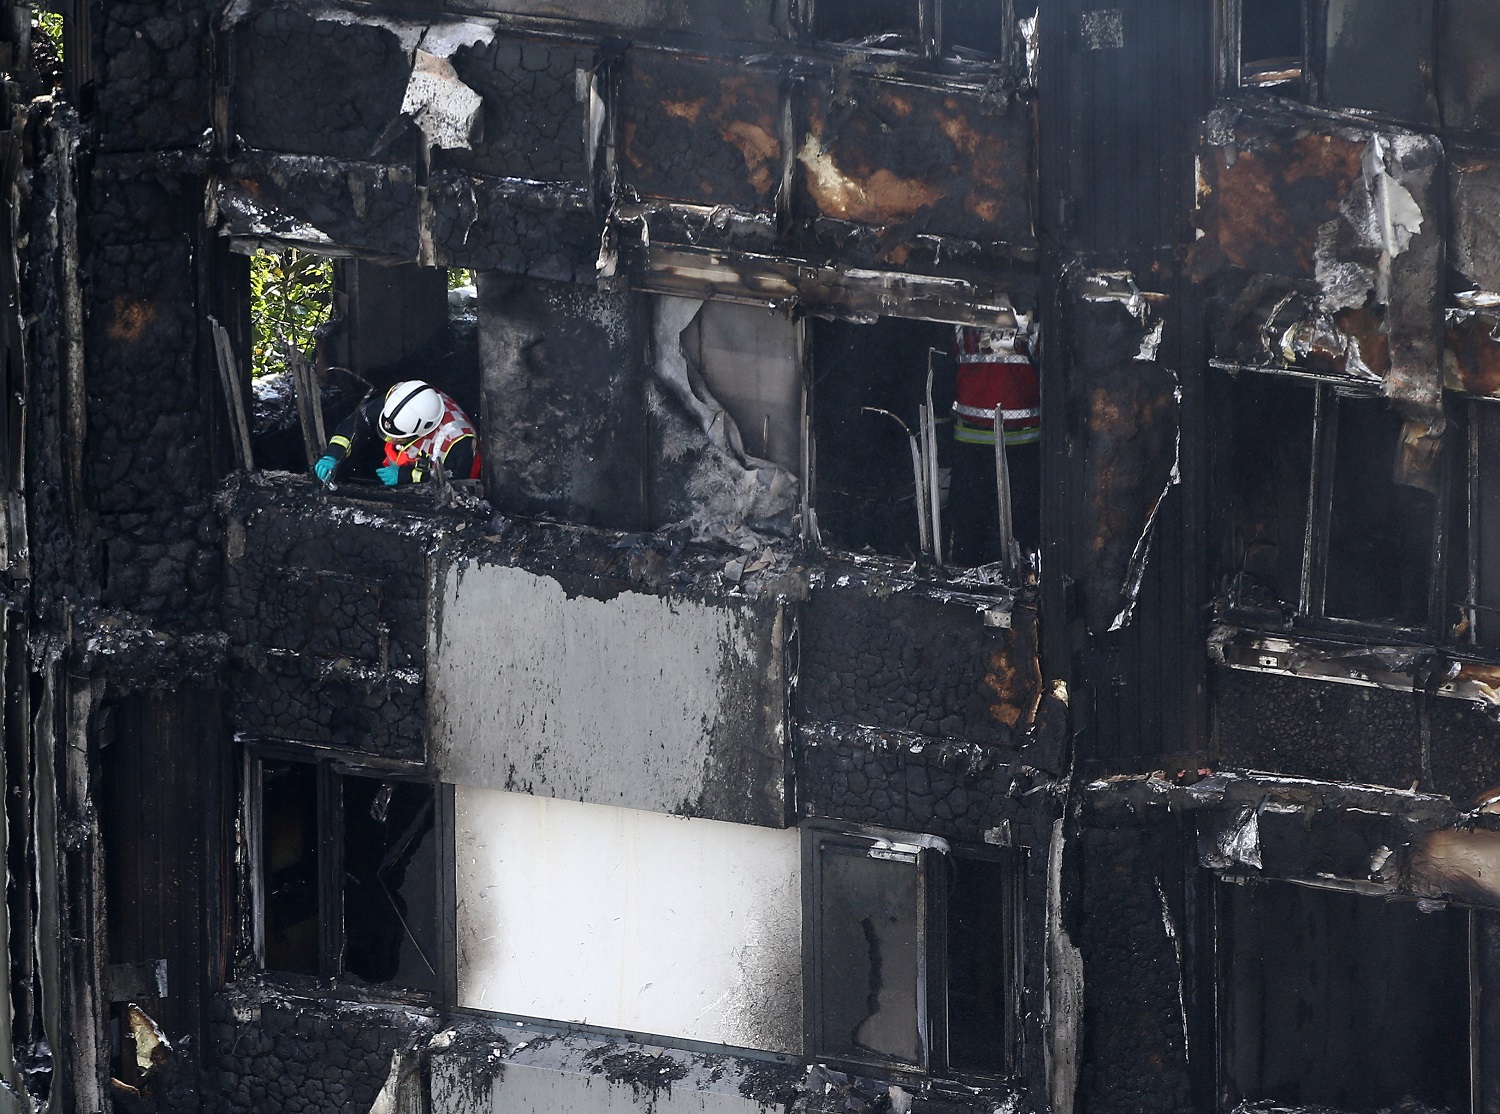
[[1438, 671]]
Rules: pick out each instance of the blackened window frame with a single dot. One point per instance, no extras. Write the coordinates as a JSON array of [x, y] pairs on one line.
[[934, 41], [333, 767], [933, 859], [1308, 613]]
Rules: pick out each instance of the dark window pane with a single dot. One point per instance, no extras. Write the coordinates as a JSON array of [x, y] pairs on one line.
[[289, 858], [1346, 1001], [982, 924], [1468, 79], [975, 26], [1379, 57], [1269, 457], [390, 883], [1487, 522], [878, 22], [1380, 535], [1270, 34], [869, 953]]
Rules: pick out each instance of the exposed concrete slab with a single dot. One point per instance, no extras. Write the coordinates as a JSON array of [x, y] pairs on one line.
[[644, 701]]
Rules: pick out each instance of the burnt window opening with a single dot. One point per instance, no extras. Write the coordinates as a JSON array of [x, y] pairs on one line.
[[1375, 55], [985, 30], [326, 334], [290, 867], [1378, 55], [1271, 42], [914, 954], [347, 875], [882, 24], [1343, 1000], [905, 459], [1319, 525]]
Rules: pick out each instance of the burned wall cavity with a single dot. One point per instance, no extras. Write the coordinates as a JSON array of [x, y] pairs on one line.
[[154, 89], [532, 125], [150, 399], [327, 614], [310, 86], [885, 153], [1129, 933]]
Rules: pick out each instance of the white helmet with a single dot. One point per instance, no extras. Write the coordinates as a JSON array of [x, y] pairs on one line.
[[412, 409]]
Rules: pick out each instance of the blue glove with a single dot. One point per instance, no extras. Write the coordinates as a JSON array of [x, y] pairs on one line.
[[390, 475], [325, 467]]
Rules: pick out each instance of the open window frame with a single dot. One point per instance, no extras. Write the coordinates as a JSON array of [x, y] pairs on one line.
[[331, 771]]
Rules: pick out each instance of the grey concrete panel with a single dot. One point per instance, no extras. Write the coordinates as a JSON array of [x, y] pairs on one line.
[[654, 702]]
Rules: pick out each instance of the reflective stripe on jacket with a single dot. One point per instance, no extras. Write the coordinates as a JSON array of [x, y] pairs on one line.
[[993, 375], [453, 428]]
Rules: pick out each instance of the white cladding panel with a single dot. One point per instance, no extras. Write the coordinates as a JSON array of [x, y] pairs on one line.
[[645, 701], [629, 920]]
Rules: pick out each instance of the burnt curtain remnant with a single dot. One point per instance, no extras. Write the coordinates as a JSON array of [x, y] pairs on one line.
[[754, 732]]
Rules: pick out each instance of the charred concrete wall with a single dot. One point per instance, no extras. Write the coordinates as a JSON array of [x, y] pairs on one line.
[[327, 610], [272, 1052]]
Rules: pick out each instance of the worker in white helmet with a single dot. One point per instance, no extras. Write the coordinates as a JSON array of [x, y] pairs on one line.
[[421, 427]]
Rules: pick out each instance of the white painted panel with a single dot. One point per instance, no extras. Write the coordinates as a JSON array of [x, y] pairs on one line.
[[646, 701], [629, 920]]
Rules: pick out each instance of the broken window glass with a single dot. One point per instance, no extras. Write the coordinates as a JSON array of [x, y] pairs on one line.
[[983, 963], [390, 883], [892, 24], [870, 940], [1343, 1000], [1380, 540], [289, 849], [1270, 42]]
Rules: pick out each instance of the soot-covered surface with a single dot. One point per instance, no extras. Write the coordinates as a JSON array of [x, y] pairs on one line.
[[910, 663], [1353, 733]]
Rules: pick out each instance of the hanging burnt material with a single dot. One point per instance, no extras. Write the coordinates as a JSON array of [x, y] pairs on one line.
[[1131, 405], [1323, 242]]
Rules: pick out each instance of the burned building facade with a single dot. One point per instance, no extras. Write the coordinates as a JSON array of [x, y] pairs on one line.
[[688, 760]]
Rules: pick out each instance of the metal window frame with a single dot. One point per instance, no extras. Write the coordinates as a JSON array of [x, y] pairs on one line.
[[933, 860], [1230, 62]]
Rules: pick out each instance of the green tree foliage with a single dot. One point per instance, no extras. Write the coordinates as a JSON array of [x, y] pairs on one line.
[[291, 294], [51, 25]]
